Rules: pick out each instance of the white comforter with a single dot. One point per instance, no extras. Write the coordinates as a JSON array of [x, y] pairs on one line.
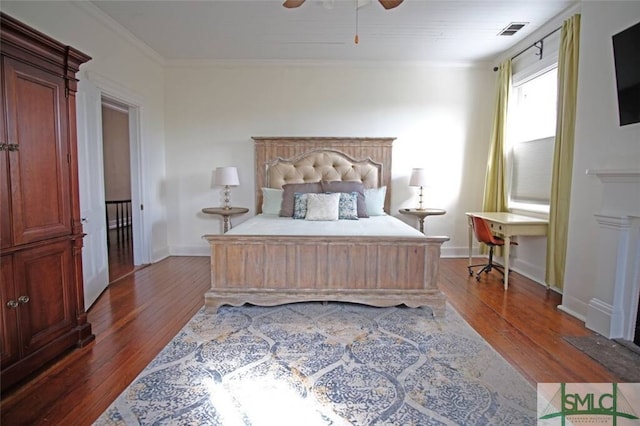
[[375, 226]]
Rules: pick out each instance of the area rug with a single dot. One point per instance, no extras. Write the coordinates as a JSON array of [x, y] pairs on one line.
[[618, 359], [326, 364]]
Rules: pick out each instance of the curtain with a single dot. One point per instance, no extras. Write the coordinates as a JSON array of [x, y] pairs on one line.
[[495, 181], [495, 186], [563, 152]]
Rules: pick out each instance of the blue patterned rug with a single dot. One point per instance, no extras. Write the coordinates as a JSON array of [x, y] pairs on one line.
[[326, 364]]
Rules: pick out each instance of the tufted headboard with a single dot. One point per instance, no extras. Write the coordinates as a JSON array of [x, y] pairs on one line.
[[282, 160]]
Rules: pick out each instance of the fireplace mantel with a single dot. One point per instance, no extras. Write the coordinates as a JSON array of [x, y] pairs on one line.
[[615, 175], [613, 310]]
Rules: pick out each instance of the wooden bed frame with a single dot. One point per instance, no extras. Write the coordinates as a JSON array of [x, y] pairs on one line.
[[273, 270]]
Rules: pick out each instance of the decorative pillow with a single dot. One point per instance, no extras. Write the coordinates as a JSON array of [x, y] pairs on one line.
[[348, 206], [271, 200], [299, 205], [374, 199], [348, 186], [322, 206], [290, 189]]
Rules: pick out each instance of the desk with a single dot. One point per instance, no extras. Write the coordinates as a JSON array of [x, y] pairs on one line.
[[507, 225], [421, 214], [225, 213]]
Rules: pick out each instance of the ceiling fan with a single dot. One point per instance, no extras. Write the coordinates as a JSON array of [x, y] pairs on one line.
[[387, 4]]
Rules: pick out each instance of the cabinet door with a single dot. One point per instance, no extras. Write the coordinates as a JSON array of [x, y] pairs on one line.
[[36, 126], [8, 314], [42, 277], [5, 207]]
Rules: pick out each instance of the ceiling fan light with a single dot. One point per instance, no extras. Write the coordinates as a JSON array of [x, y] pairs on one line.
[[290, 4], [390, 4]]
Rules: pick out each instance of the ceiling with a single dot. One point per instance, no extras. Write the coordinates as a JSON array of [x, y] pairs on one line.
[[449, 31]]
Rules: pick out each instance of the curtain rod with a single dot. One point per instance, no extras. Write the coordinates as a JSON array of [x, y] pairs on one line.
[[539, 44]]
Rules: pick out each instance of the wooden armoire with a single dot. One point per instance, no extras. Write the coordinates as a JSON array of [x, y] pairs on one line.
[[41, 294]]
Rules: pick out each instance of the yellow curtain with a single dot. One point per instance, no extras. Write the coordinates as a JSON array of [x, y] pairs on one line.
[[563, 154], [495, 191]]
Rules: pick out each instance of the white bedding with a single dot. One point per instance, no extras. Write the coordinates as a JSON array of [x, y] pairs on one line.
[[375, 226]]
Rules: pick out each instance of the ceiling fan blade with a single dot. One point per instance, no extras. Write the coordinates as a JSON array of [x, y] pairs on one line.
[[390, 4], [290, 4]]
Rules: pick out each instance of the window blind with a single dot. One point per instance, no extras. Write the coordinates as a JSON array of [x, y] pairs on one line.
[[531, 172]]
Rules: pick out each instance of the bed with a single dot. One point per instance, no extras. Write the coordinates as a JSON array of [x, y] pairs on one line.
[[249, 265]]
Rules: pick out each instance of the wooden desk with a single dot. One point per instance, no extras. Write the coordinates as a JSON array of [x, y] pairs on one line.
[[507, 225], [225, 213]]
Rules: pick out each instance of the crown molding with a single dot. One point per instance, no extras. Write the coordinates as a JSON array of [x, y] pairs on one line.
[[305, 63], [96, 13]]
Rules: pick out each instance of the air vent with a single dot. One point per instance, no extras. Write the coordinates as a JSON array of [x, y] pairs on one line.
[[512, 28]]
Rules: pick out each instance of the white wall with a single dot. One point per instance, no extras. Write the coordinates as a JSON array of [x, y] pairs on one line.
[[118, 61], [600, 144], [116, 158], [440, 116]]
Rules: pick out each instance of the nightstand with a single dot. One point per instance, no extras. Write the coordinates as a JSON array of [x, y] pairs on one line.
[[226, 214], [422, 214]]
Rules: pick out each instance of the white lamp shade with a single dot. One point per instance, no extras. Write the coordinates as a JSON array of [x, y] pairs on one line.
[[418, 177], [227, 176]]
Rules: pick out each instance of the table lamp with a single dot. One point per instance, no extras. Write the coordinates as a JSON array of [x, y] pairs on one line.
[[227, 176], [418, 178]]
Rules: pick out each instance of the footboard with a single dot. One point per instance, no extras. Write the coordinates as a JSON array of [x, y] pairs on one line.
[[376, 271]]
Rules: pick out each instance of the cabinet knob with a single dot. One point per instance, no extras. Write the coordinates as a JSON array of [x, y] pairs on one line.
[[12, 304], [23, 299]]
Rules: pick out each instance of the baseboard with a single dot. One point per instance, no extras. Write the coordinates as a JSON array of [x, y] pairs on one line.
[[574, 306], [453, 252], [158, 255], [533, 272], [599, 317], [529, 270], [198, 250], [458, 252], [571, 312]]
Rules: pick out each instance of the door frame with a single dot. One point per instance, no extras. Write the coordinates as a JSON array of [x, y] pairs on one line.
[[113, 91]]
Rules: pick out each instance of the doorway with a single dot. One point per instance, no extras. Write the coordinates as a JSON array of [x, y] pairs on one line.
[[117, 188], [93, 92]]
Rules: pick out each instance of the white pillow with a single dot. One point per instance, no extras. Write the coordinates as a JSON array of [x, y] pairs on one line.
[[271, 200], [374, 200], [323, 206]]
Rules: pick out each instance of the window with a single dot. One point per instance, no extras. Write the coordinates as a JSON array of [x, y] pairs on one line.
[[531, 136]]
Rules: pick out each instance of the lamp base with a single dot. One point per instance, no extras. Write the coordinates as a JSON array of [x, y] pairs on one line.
[[420, 207], [227, 197]]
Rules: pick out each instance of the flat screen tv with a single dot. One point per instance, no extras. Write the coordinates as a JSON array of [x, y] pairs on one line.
[[626, 54]]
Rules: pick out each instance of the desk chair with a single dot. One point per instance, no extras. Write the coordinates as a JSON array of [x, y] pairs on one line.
[[484, 235]]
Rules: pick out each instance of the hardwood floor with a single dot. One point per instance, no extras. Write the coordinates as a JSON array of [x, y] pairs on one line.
[[522, 324], [139, 314], [120, 254]]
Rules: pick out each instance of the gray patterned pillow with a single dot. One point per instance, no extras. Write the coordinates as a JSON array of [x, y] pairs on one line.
[[348, 206], [299, 205]]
